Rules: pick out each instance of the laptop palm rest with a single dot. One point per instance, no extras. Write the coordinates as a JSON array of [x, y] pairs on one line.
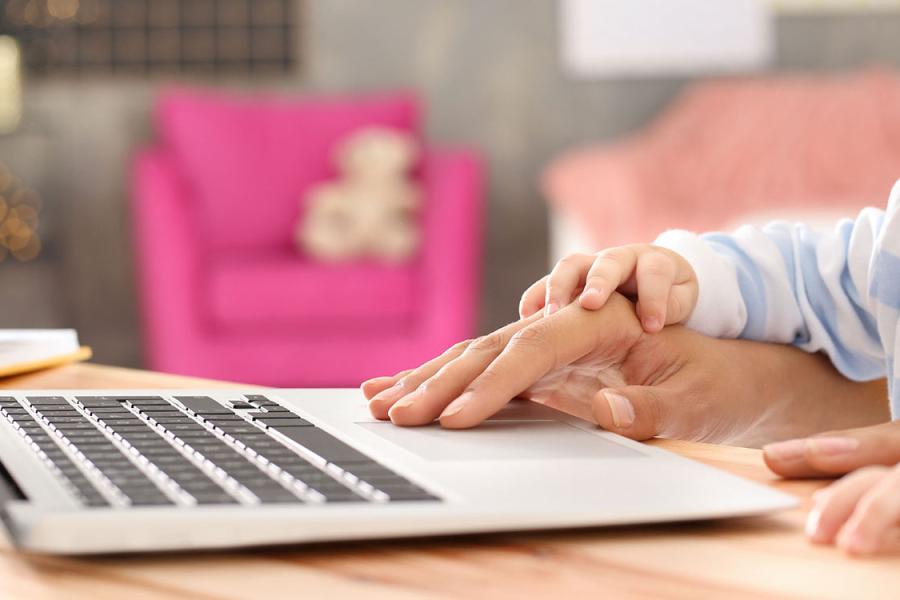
[[502, 439]]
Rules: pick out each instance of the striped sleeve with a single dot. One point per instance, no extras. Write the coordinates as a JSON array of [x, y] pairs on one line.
[[835, 292]]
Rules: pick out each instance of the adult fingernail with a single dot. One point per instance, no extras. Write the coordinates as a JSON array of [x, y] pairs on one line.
[[621, 408], [551, 308], [456, 406], [392, 393], [856, 542], [832, 446], [789, 450], [812, 524], [406, 401]]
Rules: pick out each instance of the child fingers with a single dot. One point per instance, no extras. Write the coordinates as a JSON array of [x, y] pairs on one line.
[[533, 299], [565, 277], [682, 299], [655, 279], [610, 269]]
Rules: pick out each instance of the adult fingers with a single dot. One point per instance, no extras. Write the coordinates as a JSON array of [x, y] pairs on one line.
[[533, 299], [564, 279], [373, 386], [432, 396], [539, 348], [380, 403], [876, 515], [834, 504], [836, 453], [610, 269], [633, 411], [655, 274]]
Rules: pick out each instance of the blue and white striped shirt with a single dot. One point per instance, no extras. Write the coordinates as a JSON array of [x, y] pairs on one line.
[[836, 292]]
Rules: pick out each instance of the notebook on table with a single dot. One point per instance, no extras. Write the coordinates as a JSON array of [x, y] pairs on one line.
[[27, 350]]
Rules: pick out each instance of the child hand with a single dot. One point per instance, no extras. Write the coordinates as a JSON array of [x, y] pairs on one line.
[[861, 512], [663, 282]]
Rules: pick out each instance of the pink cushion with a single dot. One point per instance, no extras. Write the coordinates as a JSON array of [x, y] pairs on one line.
[[285, 291], [248, 160]]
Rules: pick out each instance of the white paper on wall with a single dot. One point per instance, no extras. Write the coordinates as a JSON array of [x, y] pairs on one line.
[[609, 38], [851, 6]]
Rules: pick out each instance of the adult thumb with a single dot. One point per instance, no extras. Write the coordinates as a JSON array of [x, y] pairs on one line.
[[632, 411]]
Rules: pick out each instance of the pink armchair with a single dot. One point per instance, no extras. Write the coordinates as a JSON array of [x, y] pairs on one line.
[[224, 292]]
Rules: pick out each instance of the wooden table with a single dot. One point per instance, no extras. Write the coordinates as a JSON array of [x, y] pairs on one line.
[[742, 558]]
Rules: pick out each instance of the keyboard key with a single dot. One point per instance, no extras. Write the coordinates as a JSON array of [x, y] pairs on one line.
[[406, 491], [149, 499], [285, 420], [275, 496], [166, 410], [110, 411], [344, 495], [325, 445], [41, 401], [142, 401], [59, 412], [238, 405], [171, 419], [214, 498], [203, 405], [93, 401]]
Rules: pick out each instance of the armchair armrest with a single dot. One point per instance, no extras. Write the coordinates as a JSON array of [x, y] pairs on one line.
[[167, 262], [451, 257]]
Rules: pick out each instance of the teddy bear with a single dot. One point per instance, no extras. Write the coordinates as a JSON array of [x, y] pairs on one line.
[[370, 210]]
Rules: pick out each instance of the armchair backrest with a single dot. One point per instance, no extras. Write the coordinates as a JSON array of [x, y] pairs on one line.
[[246, 161]]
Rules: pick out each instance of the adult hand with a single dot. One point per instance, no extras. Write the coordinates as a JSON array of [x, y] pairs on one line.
[[600, 366], [861, 512]]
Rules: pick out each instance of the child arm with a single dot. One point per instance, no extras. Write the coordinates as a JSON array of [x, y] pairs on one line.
[[786, 283]]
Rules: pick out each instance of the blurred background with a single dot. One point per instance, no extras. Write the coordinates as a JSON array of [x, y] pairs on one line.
[[310, 192]]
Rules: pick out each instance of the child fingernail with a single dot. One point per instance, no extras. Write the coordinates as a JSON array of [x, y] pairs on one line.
[[833, 446], [652, 324], [591, 296], [621, 408], [789, 450]]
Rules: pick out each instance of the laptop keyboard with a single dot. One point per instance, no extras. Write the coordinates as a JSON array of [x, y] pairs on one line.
[[120, 451]]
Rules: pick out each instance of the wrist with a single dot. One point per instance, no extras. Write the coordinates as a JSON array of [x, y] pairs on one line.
[[802, 394], [719, 309]]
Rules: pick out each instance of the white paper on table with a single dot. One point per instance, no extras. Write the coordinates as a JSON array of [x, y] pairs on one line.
[[607, 38]]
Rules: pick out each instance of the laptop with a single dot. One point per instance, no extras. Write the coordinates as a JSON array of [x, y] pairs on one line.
[[87, 472]]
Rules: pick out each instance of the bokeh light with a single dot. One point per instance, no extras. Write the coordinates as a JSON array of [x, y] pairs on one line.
[[20, 209]]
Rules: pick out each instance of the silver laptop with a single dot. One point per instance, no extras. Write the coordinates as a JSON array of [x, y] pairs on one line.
[[144, 470]]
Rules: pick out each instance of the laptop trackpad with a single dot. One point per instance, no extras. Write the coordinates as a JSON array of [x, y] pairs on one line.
[[501, 440]]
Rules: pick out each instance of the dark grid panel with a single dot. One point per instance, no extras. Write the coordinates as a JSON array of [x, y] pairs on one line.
[[153, 36]]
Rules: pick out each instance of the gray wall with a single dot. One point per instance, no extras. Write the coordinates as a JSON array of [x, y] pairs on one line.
[[489, 74]]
